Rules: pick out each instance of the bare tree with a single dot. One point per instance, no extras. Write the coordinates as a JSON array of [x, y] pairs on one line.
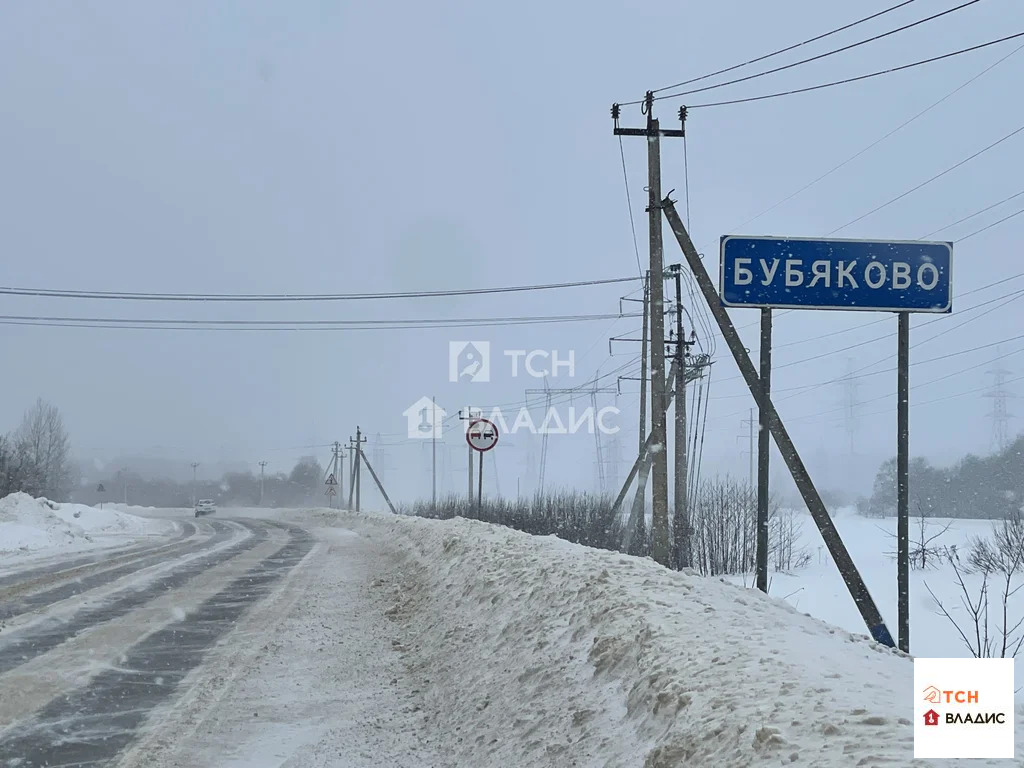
[[1000, 561], [924, 552], [43, 449], [724, 520], [15, 473]]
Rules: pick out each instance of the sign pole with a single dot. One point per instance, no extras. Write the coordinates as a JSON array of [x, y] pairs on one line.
[[763, 446], [480, 483], [903, 480], [481, 436], [433, 454], [851, 576]]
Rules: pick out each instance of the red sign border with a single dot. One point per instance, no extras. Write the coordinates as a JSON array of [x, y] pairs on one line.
[[482, 421]]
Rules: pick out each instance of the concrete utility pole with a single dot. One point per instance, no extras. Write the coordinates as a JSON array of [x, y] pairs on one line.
[[335, 469], [681, 521], [263, 466], [194, 465], [661, 548], [357, 444], [469, 414], [643, 363], [352, 473], [124, 471], [749, 423]]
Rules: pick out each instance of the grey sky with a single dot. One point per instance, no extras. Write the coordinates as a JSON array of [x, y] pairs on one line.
[[335, 147]]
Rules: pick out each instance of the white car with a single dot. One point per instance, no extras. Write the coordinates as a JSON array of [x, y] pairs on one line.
[[205, 507]]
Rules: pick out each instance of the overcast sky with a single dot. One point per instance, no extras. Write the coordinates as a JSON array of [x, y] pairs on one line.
[[307, 147]]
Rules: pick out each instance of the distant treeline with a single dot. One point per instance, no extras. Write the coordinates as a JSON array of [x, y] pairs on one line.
[[989, 487], [304, 485]]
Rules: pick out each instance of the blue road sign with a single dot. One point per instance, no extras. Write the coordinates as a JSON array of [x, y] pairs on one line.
[[803, 273]]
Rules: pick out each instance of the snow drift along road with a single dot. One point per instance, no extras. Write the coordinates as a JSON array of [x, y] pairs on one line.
[[37, 525], [533, 651]]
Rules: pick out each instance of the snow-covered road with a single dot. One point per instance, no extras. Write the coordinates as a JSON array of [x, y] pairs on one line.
[[317, 638]]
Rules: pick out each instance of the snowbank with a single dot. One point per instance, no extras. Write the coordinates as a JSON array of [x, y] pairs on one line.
[[533, 651], [28, 524]]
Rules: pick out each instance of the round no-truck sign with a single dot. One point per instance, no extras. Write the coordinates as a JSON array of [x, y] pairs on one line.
[[482, 435]]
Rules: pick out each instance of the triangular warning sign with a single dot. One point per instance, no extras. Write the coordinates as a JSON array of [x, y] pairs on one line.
[[331, 480]]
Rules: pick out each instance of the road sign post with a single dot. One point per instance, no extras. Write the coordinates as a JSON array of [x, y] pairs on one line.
[[332, 488], [870, 275], [481, 436], [847, 569]]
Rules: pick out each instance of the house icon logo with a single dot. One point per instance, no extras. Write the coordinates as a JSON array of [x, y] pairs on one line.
[[932, 695], [469, 361], [931, 717], [424, 418]]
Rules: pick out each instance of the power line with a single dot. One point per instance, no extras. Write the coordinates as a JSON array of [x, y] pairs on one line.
[[878, 141], [885, 319], [912, 404], [1012, 295], [858, 78], [1009, 297], [311, 325], [993, 224], [444, 322], [629, 207], [976, 213], [929, 181], [140, 296], [819, 56], [779, 51], [960, 372]]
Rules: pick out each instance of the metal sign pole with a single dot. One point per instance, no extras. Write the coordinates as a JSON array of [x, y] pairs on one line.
[[480, 483], [903, 481], [851, 576], [763, 448]]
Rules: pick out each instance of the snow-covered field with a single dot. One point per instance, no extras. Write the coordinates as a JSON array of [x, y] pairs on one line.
[[30, 526], [818, 589]]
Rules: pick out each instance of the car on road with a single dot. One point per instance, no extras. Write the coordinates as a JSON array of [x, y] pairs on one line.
[[205, 507]]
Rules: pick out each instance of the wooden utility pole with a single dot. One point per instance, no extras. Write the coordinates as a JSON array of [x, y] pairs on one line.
[[661, 548], [263, 466], [763, 450]]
